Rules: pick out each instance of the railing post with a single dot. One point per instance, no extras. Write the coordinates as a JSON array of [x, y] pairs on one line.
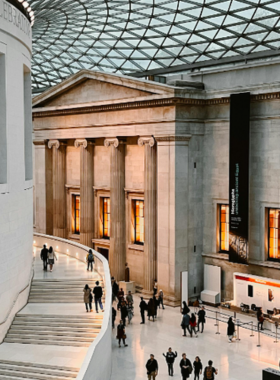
[[218, 332], [259, 339], [252, 333], [237, 322], [216, 324]]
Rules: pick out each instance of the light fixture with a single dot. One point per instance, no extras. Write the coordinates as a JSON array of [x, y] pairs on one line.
[[31, 13], [67, 250], [29, 9], [34, 242], [25, 4], [57, 247]]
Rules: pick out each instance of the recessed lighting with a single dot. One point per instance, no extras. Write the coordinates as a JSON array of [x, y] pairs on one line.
[[25, 4], [31, 13], [34, 242], [67, 250], [56, 246]]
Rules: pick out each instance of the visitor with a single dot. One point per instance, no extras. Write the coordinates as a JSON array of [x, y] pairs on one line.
[[210, 371], [151, 309], [114, 314], [197, 365], [121, 336], [115, 289], [260, 318], [87, 298], [98, 293], [51, 257], [201, 319], [129, 297], [230, 329], [160, 299], [170, 358], [185, 324], [196, 305], [155, 287], [129, 312], [90, 260], [185, 309], [143, 307], [44, 257], [186, 367], [123, 310], [155, 305], [152, 367], [120, 294], [193, 325]]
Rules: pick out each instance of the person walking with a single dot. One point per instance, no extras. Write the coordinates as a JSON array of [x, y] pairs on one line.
[[124, 312], [115, 290], [193, 325], [51, 257], [44, 257], [88, 298], [152, 367], [98, 293], [143, 307], [120, 294], [186, 367], [129, 297], [129, 312], [155, 305], [114, 314], [90, 260], [201, 318], [230, 329], [121, 335], [197, 365], [170, 358], [185, 309], [160, 299], [151, 309], [155, 288], [210, 371], [260, 318], [186, 324]]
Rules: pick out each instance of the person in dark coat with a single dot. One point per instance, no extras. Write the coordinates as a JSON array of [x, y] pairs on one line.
[[230, 329], [98, 293], [44, 257], [120, 294], [114, 314], [186, 324], [185, 308], [201, 318], [143, 307], [155, 305], [88, 298], [124, 312], [115, 289], [197, 365], [186, 367], [193, 324], [121, 336], [151, 309], [260, 318], [170, 358], [152, 367]]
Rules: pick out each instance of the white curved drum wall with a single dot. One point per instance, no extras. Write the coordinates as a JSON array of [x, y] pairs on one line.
[[16, 193]]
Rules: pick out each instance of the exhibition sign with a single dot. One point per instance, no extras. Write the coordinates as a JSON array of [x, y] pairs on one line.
[[239, 177]]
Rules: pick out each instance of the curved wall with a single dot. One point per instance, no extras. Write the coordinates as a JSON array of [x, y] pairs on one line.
[[16, 187]]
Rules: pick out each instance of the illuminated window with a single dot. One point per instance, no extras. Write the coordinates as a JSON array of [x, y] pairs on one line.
[[76, 201], [224, 228], [274, 234], [139, 222], [106, 218]]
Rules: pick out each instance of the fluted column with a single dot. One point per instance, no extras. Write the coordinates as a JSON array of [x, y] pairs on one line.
[[86, 191], [150, 183], [117, 183], [59, 180]]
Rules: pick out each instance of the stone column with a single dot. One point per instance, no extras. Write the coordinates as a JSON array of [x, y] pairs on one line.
[[86, 191], [117, 254], [59, 193], [150, 185], [172, 208]]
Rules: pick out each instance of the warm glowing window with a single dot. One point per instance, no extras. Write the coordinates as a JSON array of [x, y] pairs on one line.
[[106, 218], [224, 228], [139, 222], [76, 201], [274, 234]]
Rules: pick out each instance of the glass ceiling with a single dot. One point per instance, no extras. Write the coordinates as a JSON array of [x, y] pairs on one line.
[[127, 36]]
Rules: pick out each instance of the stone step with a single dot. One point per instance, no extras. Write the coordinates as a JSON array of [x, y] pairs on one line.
[[56, 324], [46, 342], [51, 337], [65, 317], [11, 375], [39, 365], [90, 334], [82, 282], [23, 328], [44, 371]]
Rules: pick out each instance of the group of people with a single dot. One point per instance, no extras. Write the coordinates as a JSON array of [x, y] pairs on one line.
[[48, 257], [190, 323], [97, 292], [185, 364]]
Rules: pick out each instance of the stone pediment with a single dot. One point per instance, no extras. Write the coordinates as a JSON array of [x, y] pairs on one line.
[[91, 86]]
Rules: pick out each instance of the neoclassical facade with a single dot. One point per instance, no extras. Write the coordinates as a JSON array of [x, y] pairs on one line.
[[139, 171]]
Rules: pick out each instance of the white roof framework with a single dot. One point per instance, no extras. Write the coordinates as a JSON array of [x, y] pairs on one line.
[[127, 36]]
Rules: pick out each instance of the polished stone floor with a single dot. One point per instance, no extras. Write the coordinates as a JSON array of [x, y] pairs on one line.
[[241, 360]]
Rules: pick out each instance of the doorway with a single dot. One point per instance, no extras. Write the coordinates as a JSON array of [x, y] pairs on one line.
[[104, 252]]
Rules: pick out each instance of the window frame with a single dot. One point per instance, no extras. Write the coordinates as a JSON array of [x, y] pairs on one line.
[[268, 235], [135, 224], [103, 218], [220, 229]]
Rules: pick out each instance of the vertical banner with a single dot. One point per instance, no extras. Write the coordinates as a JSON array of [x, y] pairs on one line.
[[239, 177]]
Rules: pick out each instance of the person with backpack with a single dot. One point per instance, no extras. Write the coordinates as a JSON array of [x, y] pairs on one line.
[[185, 309], [185, 324], [193, 325], [186, 367], [143, 307], [98, 293], [201, 318], [210, 371], [90, 260], [170, 358], [152, 368], [197, 365]]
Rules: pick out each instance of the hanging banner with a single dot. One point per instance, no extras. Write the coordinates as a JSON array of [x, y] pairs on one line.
[[239, 177]]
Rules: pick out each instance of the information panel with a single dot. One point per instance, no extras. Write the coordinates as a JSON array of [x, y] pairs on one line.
[[239, 177]]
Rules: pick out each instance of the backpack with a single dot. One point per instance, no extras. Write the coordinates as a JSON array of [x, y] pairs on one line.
[[208, 373], [90, 257]]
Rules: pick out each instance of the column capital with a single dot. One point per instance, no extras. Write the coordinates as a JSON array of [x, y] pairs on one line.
[[82, 142], [113, 141], [53, 143], [145, 140]]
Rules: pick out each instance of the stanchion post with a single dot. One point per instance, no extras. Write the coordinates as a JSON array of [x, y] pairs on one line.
[[259, 339], [276, 325], [237, 338], [216, 324], [252, 333], [218, 332]]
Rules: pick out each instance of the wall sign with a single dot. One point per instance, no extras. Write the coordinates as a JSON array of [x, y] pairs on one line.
[[239, 177]]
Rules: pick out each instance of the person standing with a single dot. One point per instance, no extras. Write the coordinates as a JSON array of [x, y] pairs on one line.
[[143, 307], [186, 324], [44, 257], [160, 299], [260, 318], [151, 309], [152, 367], [193, 324], [115, 289], [185, 309], [197, 365], [124, 312], [51, 257], [88, 298], [129, 297], [114, 314], [90, 260], [170, 358], [210, 371], [129, 312], [121, 336], [98, 293], [186, 367], [201, 318], [230, 329], [155, 287]]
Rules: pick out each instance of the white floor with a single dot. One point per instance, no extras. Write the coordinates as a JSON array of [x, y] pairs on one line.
[[241, 360]]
